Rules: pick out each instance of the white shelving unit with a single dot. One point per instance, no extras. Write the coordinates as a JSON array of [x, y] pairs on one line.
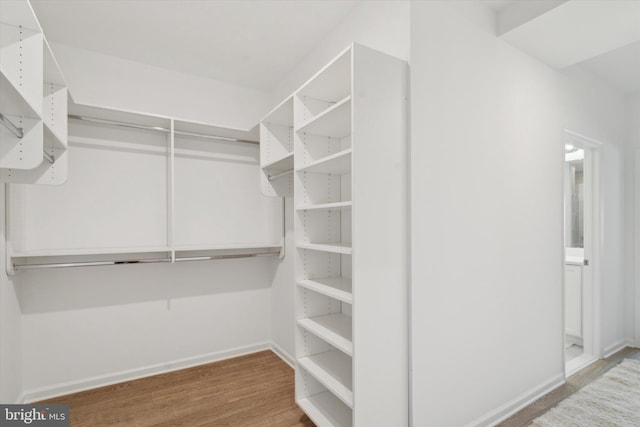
[[351, 241], [33, 101], [276, 150], [170, 195]]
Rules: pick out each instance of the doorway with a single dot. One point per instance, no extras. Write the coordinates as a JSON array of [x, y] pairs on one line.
[[581, 250]]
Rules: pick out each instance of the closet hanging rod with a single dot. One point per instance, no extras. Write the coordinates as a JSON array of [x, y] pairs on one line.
[[87, 264], [214, 257], [159, 129], [48, 157], [9, 125], [278, 175]]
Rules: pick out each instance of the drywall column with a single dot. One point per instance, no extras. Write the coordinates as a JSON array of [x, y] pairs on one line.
[[486, 196]]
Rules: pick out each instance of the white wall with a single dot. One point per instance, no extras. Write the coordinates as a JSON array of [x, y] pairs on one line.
[[381, 25], [487, 157], [98, 79], [632, 220], [10, 326]]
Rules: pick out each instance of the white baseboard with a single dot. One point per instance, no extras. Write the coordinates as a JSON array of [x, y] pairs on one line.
[[616, 347], [279, 351], [62, 389], [505, 411]]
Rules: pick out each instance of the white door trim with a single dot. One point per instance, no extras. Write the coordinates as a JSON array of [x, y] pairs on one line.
[[592, 243], [636, 222]]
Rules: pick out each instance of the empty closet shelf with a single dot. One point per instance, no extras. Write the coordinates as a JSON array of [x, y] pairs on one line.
[[326, 206], [338, 248], [334, 287], [335, 121], [16, 103], [333, 370], [325, 409], [335, 164], [332, 328], [282, 164]]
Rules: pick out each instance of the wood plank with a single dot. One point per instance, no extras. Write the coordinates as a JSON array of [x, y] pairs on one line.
[[252, 390]]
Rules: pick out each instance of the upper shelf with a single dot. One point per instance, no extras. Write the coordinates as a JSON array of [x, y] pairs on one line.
[[337, 164], [331, 83], [335, 121], [282, 114]]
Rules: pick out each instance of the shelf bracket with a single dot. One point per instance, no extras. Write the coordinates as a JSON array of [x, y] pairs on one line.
[[17, 131]]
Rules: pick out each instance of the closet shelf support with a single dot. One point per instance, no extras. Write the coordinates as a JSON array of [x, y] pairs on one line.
[[17, 131]]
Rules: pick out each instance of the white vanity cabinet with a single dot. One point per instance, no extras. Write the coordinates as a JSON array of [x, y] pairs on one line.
[[573, 300]]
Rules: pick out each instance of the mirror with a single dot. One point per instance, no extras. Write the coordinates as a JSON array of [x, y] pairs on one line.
[[574, 197]]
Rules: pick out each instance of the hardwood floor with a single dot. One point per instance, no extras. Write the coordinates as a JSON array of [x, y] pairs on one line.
[[574, 383], [248, 391]]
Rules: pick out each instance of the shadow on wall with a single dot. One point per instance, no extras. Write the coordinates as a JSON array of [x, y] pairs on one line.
[[62, 289]]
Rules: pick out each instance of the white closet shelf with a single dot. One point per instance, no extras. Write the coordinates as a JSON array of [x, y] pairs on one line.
[[335, 121], [326, 206], [338, 248], [332, 328], [325, 409], [333, 370], [13, 102], [335, 164], [282, 164], [51, 69], [282, 114], [332, 82], [335, 287]]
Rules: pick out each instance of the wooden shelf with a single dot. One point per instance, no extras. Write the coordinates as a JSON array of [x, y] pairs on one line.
[[335, 164], [333, 328], [335, 121], [326, 206], [325, 409], [333, 370], [338, 248], [335, 287], [280, 165]]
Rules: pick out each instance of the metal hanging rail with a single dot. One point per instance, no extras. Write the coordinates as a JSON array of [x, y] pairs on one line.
[[159, 129], [278, 175], [17, 131], [48, 157], [19, 267]]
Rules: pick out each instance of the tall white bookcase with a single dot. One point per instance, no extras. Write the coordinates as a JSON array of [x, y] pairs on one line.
[[350, 157]]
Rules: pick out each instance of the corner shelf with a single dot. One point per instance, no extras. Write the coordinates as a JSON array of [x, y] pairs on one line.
[[333, 370], [334, 287], [282, 164], [335, 329]]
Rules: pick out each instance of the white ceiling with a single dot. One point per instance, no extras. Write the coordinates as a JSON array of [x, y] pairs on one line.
[[620, 67], [252, 43]]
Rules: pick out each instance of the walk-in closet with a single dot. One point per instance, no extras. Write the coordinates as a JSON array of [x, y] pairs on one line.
[[310, 213]]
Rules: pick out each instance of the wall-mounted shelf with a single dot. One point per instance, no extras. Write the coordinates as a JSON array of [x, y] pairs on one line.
[[333, 370], [282, 164], [276, 150], [336, 248], [335, 329], [326, 206], [336, 164], [334, 287], [335, 121], [325, 409]]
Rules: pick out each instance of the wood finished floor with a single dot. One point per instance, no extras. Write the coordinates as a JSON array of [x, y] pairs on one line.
[[574, 383], [248, 391]]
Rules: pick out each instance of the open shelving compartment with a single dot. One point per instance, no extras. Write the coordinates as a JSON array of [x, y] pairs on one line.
[[33, 102], [276, 150], [324, 297]]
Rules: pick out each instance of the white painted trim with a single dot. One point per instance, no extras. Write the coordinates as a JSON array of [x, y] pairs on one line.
[[62, 389], [616, 347], [505, 411], [282, 354], [21, 399]]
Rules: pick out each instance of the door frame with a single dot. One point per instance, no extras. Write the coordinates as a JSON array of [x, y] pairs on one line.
[[591, 295], [636, 222]]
